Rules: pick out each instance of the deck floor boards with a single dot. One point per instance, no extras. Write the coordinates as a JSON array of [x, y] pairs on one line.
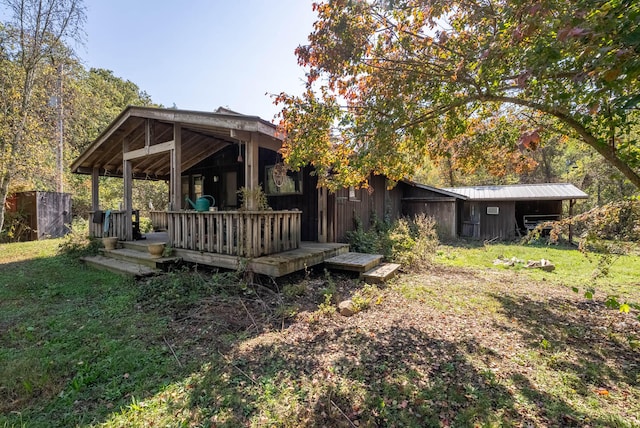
[[357, 262]]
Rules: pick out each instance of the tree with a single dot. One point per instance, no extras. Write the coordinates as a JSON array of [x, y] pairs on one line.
[[29, 44], [392, 80], [94, 99]]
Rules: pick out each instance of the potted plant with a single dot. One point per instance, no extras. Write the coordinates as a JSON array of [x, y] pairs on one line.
[[110, 242]]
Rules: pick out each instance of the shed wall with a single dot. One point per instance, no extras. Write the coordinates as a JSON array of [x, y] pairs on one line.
[[46, 214], [443, 212]]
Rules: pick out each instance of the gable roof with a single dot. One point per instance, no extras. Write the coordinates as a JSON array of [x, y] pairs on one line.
[[203, 133], [521, 192]]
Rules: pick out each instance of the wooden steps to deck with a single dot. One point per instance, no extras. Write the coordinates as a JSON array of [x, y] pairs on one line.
[[370, 266], [119, 266], [132, 260]]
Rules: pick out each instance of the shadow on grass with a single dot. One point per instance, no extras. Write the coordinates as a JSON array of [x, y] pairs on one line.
[[583, 343], [337, 377], [74, 347]]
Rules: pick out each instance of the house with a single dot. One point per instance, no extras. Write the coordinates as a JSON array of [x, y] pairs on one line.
[[209, 154], [488, 212], [214, 154]]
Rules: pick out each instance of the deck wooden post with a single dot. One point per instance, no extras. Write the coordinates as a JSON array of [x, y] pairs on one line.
[[253, 154], [95, 189], [127, 175], [571, 203], [176, 171]]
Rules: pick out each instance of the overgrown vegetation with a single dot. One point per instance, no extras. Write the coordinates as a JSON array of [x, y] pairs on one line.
[[464, 343], [408, 241]]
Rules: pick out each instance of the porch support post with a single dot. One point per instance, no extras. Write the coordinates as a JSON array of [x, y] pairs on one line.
[[253, 154], [128, 192], [95, 189], [176, 168], [251, 165], [571, 204], [128, 200]]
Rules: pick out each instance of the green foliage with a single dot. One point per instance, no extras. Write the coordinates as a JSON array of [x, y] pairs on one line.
[[363, 297], [390, 83], [77, 242], [410, 242], [179, 291], [253, 199], [145, 225]]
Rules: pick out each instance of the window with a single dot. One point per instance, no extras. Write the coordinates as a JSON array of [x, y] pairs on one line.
[[290, 183]]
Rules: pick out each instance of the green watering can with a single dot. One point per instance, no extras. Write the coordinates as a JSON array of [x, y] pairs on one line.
[[202, 203]]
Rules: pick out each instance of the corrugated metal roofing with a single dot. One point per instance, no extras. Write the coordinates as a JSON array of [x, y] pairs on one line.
[[521, 192]]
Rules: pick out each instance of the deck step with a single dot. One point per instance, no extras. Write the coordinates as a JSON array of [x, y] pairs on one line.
[[119, 266], [138, 257], [356, 262], [380, 273]]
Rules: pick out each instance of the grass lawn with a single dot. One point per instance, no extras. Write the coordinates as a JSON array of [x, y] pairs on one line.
[[465, 343]]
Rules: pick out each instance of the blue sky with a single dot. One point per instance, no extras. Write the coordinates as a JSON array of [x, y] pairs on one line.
[[201, 54]]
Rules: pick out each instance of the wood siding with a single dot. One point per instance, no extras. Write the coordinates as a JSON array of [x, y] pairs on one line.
[[418, 200], [443, 211], [367, 206], [44, 214], [481, 225]]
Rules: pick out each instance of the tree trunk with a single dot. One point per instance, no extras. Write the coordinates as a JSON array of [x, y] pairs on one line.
[[4, 191]]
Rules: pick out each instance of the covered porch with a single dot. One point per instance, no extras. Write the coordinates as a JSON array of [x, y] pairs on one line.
[[195, 153]]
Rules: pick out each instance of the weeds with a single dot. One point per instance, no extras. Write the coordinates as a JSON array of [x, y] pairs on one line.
[[411, 242]]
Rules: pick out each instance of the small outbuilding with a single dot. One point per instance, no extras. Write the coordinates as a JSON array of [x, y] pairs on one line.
[[502, 212], [40, 215]]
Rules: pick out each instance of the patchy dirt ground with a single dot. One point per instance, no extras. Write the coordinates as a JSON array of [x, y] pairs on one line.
[[448, 347]]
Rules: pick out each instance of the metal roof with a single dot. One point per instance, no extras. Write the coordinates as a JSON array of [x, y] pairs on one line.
[[443, 192], [521, 192]]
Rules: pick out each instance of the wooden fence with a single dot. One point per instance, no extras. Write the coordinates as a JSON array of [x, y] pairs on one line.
[[237, 233]]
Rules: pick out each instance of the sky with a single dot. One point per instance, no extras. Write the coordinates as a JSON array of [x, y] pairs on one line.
[[201, 54]]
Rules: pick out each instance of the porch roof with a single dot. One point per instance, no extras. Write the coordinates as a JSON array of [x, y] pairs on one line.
[[203, 134]]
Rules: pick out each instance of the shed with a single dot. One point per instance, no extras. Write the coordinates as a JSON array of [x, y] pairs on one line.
[[41, 215], [504, 211]]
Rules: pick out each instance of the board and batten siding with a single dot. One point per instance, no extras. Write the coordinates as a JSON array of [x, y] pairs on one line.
[[46, 214], [489, 226], [366, 205], [443, 212]]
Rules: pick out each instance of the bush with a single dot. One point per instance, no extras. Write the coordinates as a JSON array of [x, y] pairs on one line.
[[407, 241], [77, 243], [617, 221]]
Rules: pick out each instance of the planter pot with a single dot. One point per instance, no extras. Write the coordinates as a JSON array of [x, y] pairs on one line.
[[110, 242], [155, 250]]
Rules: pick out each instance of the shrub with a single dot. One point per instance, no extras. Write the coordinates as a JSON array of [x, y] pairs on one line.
[[408, 241], [77, 242]]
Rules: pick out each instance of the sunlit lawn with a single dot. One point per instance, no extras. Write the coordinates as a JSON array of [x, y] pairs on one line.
[[466, 343]]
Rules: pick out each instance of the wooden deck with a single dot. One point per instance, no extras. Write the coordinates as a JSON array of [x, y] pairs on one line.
[[275, 265]]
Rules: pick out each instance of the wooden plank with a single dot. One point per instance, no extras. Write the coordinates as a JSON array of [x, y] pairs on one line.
[[357, 262], [309, 254], [380, 273], [95, 189], [119, 266], [151, 150]]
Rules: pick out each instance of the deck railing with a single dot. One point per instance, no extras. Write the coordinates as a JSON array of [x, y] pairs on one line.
[[117, 225], [158, 220], [237, 233]]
